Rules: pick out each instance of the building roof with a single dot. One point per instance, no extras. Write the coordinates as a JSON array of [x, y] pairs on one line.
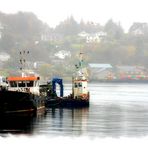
[[97, 65], [130, 68]]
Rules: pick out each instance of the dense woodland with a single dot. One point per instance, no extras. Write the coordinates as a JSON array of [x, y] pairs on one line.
[[24, 31]]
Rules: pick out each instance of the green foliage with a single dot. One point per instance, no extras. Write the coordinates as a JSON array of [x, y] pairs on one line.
[[114, 31], [77, 46], [68, 27]]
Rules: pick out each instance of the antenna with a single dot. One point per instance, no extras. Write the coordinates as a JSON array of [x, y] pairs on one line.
[[81, 59], [79, 65], [23, 54]]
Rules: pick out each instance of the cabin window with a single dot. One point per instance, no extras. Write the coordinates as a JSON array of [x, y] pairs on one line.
[[21, 84], [3, 79], [76, 85], [80, 84], [29, 83], [13, 84], [35, 83]]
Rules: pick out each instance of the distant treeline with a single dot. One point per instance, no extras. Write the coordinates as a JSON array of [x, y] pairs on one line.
[[24, 31]]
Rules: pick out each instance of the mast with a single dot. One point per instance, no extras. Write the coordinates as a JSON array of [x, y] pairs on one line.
[[80, 65], [23, 54], [79, 72]]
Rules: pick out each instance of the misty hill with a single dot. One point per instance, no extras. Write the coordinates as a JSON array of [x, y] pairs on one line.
[[101, 44]]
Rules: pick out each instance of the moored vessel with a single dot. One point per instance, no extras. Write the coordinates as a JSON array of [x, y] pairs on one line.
[[80, 93], [22, 96]]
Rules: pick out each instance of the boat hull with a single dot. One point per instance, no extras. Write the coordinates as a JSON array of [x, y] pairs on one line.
[[20, 102], [67, 102]]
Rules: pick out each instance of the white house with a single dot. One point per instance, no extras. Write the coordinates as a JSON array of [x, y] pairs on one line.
[[4, 56], [83, 34], [62, 54], [92, 37]]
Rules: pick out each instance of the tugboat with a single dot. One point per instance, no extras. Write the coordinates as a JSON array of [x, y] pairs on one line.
[[80, 93], [22, 95]]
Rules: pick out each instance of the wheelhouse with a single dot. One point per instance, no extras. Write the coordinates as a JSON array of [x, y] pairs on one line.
[[28, 83]]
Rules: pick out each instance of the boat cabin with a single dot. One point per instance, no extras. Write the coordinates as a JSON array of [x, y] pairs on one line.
[[24, 84], [80, 87]]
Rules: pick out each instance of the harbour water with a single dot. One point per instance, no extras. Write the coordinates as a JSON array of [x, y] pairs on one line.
[[116, 110]]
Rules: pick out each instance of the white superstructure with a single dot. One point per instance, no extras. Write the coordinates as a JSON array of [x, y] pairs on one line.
[[80, 89], [28, 84]]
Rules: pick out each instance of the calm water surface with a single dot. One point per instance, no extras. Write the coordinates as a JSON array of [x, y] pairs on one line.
[[115, 110]]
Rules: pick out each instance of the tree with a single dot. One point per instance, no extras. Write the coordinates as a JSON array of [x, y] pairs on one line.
[[68, 27], [114, 30]]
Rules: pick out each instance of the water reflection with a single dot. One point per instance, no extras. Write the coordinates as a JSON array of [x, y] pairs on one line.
[[18, 124], [114, 111], [61, 122], [104, 120], [115, 120]]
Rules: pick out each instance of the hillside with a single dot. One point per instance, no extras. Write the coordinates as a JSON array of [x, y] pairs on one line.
[[101, 44]]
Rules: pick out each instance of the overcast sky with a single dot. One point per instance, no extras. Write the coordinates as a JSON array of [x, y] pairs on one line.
[[98, 11]]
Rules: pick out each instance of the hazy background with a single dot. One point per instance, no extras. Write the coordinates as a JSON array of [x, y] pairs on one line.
[[54, 11], [54, 32]]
